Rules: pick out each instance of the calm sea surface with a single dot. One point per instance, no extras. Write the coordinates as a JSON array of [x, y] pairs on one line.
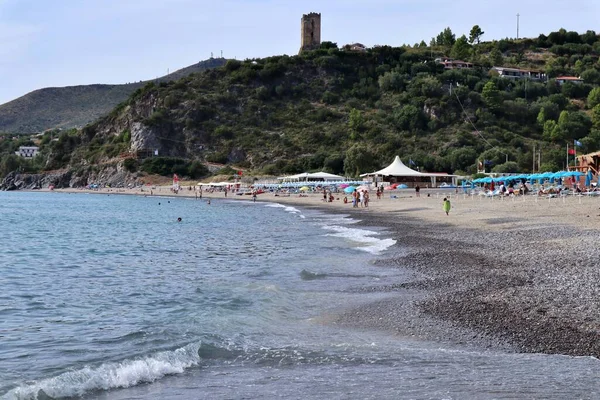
[[109, 297]]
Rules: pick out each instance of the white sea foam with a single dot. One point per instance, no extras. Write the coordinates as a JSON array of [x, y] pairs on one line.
[[289, 209], [363, 237], [110, 375], [337, 220]]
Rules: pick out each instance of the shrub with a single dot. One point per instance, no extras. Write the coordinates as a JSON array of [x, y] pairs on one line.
[[330, 98], [165, 166], [131, 164]]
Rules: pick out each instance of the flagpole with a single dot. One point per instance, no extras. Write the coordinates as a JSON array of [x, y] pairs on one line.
[[567, 167]]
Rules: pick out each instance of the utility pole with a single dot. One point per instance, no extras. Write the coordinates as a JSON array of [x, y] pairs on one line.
[[533, 152], [518, 15]]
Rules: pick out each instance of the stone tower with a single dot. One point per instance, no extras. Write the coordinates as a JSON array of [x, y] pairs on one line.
[[310, 27]]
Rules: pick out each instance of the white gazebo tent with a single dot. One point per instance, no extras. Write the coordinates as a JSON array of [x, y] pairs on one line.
[[325, 176], [306, 176], [397, 169]]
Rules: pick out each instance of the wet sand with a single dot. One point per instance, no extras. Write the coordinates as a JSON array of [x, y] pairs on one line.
[[517, 273]]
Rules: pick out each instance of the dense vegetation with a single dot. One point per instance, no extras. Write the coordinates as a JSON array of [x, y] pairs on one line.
[[351, 112], [75, 106]]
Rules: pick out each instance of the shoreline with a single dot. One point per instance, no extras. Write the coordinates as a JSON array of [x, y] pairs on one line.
[[513, 274]]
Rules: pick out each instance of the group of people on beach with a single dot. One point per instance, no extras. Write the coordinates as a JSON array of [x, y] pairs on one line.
[[360, 198]]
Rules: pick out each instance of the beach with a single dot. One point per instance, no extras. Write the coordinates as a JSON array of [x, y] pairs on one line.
[[518, 273]]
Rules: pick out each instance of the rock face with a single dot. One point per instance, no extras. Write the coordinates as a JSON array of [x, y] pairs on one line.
[[111, 175], [16, 181], [143, 137]]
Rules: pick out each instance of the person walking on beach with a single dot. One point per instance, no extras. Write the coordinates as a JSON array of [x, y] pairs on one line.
[[418, 191], [447, 206]]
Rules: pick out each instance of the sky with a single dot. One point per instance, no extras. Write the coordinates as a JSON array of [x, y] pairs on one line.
[[50, 43]]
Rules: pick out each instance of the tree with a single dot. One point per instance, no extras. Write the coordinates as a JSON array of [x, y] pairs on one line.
[[446, 38], [358, 159], [574, 125], [496, 57], [461, 49], [491, 96], [507, 168], [475, 34], [393, 81], [409, 117], [356, 120], [589, 37], [591, 76], [551, 131], [328, 45], [9, 163], [422, 44], [462, 158], [541, 118], [594, 97], [596, 116]]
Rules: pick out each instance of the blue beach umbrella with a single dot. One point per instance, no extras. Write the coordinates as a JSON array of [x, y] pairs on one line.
[[349, 189], [588, 178]]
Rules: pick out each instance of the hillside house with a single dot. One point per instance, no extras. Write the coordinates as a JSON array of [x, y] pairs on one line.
[[356, 47], [449, 63], [27, 151], [561, 80], [517, 73]]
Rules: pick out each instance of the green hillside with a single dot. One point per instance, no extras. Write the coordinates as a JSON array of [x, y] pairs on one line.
[[75, 106], [351, 112]]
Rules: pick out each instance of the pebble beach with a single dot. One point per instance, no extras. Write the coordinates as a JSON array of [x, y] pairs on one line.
[[515, 273]]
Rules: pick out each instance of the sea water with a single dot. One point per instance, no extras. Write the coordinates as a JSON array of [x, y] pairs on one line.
[[110, 297]]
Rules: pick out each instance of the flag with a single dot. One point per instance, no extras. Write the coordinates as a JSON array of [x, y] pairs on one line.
[[577, 143], [572, 151], [411, 162], [240, 173]]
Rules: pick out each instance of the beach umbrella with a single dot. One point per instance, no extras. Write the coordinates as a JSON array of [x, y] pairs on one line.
[[588, 178], [349, 189], [343, 185], [304, 188]]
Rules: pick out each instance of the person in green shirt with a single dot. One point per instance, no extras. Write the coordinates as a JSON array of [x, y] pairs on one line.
[[447, 205]]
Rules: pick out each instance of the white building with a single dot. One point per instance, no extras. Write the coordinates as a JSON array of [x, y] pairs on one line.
[[517, 73], [27, 151], [561, 80]]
